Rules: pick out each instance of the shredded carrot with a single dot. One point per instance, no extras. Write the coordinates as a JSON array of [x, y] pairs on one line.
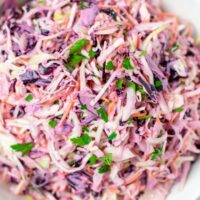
[[133, 178], [111, 107], [56, 97], [139, 114], [70, 105], [114, 189]]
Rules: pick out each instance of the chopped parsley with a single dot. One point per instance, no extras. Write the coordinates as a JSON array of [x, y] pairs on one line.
[[136, 87], [84, 107], [158, 84], [103, 169], [29, 98], [78, 45], [75, 59], [109, 65], [156, 153], [145, 117], [24, 148], [119, 25], [83, 4], [93, 159], [92, 54], [174, 48], [85, 139], [99, 67], [143, 53], [132, 85], [85, 129], [120, 83], [107, 159], [127, 64], [130, 121], [180, 109], [101, 112], [125, 33], [52, 123], [112, 136]]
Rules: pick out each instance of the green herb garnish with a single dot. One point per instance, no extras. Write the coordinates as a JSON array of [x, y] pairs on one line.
[[145, 117], [24, 148], [99, 67], [107, 159], [52, 123], [29, 98], [93, 159], [92, 54], [132, 85], [130, 121], [84, 107], [112, 136], [158, 83], [85, 129], [143, 53], [85, 139], [125, 33], [109, 65], [127, 64], [156, 153], [180, 109], [136, 87], [83, 4], [78, 45], [101, 112], [103, 169], [75, 59], [174, 48], [120, 83], [119, 25]]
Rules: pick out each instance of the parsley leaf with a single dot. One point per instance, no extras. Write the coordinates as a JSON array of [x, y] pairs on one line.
[[180, 109], [101, 112], [158, 84], [136, 87], [109, 65], [84, 107], [29, 98], [83, 4], [119, 25], [174, 48], [78, 45], [120, 83], [156, 153], [92, 54], [52, 123], [145, 117], [125, 33], [112, 136], [143, 53], [25, 148], [103, 169], [127, 64], [107, 159], [75, 59], [93, 159], [85, 139], [85, 129]]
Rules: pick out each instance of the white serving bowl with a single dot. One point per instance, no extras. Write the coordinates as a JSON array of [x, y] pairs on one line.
[[188, 10]]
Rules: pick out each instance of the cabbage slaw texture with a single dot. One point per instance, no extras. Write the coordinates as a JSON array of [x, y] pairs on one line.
[[99, 99]]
